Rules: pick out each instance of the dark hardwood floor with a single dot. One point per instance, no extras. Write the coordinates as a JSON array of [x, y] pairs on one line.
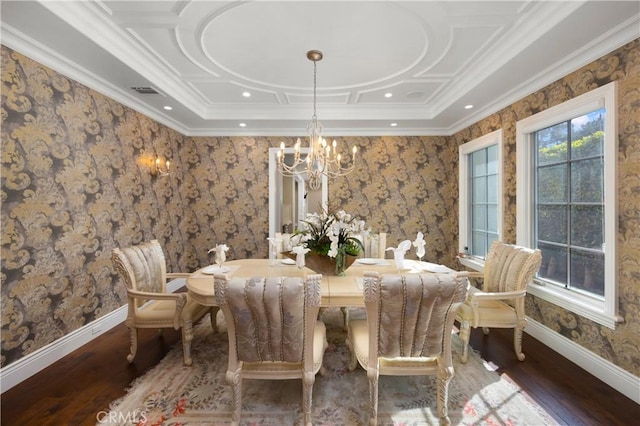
[[75, 389]]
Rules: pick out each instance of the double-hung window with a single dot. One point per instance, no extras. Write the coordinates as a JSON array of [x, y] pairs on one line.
[[480, 183], [566, 181]]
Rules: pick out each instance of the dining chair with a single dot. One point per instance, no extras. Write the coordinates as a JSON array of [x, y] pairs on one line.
[[407, 331], [375, 245], [374, 248], [144, 271], [274, 332], [508, 270]]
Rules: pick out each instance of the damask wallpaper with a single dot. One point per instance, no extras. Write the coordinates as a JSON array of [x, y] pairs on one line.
[[622, 345], [76, 183]]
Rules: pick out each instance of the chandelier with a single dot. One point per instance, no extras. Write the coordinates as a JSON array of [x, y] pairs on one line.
[[322, 158]]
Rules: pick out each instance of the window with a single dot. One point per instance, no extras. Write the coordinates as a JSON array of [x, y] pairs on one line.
[[566, 186], [480, 181]]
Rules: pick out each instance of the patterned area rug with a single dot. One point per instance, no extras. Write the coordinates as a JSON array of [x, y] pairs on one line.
[[172, 394]]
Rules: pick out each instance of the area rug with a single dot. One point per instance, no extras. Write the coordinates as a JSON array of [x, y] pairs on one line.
[[172, 394]]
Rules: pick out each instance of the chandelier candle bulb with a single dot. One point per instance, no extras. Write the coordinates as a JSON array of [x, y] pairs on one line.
[[322, 159]]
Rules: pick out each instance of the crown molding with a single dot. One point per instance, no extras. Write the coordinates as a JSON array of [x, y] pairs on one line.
[[608, 42], [22, 43]]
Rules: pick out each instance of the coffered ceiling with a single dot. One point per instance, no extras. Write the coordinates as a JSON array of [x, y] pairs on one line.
[[432, 57]]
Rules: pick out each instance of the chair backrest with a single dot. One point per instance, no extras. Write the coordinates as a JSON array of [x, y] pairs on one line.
[[414, 313], [143, 267], [269, 319], [375, 245], [508, 267]]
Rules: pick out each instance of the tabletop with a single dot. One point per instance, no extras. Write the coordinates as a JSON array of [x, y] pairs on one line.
[[336, 291]]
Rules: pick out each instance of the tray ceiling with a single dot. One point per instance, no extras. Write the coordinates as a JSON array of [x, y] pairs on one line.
[[433, 57]]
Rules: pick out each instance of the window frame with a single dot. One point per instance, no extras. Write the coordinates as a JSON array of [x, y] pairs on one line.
[[604, 312], [464, 200]]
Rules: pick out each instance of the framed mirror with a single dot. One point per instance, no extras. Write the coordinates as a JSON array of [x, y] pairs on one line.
[[290, 199]]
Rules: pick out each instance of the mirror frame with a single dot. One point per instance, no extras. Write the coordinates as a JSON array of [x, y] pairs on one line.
[[275, 190]]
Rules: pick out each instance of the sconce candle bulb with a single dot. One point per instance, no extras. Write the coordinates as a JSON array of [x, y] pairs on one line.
[[159, 169]]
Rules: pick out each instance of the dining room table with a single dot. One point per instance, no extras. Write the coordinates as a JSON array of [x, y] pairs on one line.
[[336, 290]]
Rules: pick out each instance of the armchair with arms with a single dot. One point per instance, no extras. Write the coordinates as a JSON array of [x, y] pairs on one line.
[[274, 332], [407, 331], [144, 271], [508, 269]]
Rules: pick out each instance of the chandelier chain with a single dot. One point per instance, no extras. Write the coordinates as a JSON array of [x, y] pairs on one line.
[[315, 72]]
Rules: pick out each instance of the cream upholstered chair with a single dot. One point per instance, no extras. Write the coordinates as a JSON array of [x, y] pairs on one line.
[[407, 331], [508, 269], [144, 271], [273, 332], [375, 246]]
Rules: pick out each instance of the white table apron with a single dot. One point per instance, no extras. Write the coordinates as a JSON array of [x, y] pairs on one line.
[[336, 291]]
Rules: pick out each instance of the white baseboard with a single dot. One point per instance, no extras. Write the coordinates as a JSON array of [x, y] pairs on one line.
[[619, 379], [35, 362]]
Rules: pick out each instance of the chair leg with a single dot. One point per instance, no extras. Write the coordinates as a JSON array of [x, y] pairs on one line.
[[234, 379], [517, 341], [323, 368], [373, 396], [345, 316], [464, 337], [353, 360], [133, 343], [307, 396], [213, 313], [187, 337], [444, 377]]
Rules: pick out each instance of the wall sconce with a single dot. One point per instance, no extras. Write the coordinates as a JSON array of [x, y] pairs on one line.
[[160, 168]]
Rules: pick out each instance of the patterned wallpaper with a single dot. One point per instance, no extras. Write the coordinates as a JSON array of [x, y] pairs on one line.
[[76, 183], [622, 345], [226, 197]]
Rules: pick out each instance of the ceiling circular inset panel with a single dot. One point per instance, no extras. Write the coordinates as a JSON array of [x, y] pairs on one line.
[[293, 28]]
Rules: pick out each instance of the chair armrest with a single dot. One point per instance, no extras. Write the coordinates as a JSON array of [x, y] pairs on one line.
[[472, 274], [497, 295], [178, 275], [179, 298]]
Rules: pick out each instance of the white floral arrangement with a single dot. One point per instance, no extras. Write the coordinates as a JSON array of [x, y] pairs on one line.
[[330, 233]]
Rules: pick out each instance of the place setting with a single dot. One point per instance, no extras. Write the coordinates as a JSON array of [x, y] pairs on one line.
[[275, 249], [220, 251], [371, 261]]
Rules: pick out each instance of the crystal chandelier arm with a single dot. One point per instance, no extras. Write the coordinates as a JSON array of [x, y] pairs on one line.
[[322, 158]]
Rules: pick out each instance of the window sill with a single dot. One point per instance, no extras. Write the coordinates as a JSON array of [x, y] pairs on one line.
[[472, 263], [574, 302]]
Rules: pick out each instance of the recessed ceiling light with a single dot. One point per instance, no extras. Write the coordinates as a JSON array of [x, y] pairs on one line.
[[388, 95], [393, 124], [246, 94], [468, 106], [168, 108], [242, 125]]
